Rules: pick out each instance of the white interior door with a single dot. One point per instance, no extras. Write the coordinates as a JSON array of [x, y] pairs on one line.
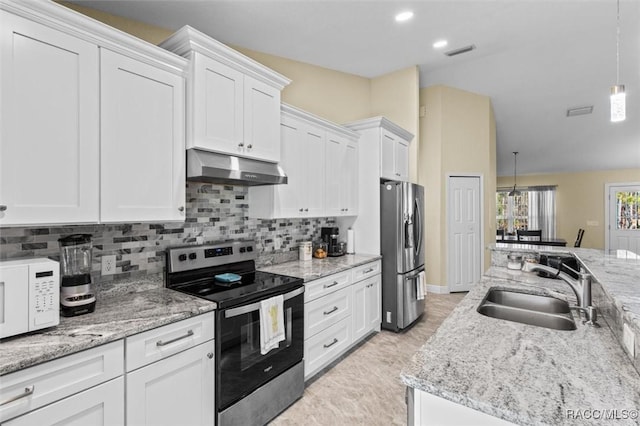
[[624, 219], [464, 243]]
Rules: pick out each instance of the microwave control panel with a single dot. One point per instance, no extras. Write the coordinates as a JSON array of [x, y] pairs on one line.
[[44, 295]]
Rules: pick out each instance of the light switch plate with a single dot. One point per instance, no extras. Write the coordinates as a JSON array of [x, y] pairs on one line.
[[109, 264], [592, 223], [628, 338]]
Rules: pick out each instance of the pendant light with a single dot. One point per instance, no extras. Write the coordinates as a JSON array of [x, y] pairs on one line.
[[618, 101], [514, 191]]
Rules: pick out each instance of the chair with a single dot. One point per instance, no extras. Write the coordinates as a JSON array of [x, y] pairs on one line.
[[529, 235], [579, 239], [500, 234]]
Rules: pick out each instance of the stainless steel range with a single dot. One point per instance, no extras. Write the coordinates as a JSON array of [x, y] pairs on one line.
[[251, 387]]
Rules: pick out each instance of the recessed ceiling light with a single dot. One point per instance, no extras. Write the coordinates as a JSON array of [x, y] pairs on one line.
[[440, 44], [404, 16]]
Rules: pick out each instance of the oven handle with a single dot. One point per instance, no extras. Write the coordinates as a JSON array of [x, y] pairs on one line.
[[241, 310]]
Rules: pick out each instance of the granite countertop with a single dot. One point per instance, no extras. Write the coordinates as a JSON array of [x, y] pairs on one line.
[[118, 314], [318, 268], [524, 374]]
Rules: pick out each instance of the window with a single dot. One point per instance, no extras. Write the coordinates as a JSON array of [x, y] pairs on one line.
[[627, 205], [534, 208]]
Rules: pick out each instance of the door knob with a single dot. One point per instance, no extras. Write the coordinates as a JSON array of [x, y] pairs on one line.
[[181, 208], [210, 355]]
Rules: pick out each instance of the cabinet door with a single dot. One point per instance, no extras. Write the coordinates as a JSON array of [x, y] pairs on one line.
[[261, 120], [217, 116], [350, 186], [100, 405], [142, 141], [290, 196], [359, 313], [49, 132], [402, 160], [335, 153], [374, 303], [387, 155], [178, 390], [313, 158]]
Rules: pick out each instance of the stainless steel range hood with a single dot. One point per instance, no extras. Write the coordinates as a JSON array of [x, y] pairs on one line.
[[205, 166]]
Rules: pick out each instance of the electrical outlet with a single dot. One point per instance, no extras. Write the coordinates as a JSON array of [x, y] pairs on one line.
[[629, 339], [109, 264]]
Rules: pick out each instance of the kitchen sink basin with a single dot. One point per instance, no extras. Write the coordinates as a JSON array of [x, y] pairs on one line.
[[532, 309]]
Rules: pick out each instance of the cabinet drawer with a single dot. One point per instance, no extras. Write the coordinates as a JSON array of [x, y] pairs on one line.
[[326, 311], [159, 343], [326, 346], [366, 271], [51, 381], [100, 405], [320, 287]]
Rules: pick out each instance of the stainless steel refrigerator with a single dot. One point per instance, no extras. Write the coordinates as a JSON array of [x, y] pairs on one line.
[[402, 248]]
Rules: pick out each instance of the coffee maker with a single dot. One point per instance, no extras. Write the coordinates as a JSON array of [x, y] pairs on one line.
[[77, 291], [329, 236]]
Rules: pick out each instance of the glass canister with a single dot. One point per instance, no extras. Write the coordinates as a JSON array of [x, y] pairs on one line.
[[304, 251]]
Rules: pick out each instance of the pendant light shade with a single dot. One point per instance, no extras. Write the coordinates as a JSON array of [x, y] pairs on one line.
[[618, 99], [514, 191]]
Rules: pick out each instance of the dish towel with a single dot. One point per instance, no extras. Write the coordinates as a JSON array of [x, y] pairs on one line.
[[271, 323], [421, 286]]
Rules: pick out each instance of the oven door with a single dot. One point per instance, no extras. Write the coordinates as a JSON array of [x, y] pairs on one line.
[[241, 367]]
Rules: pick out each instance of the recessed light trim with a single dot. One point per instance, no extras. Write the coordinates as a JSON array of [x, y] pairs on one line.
[[440, 44], [404, 16], [583, 110]]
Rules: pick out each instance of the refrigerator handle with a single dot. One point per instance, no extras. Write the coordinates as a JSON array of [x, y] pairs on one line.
[[408, 233], [418, 244]]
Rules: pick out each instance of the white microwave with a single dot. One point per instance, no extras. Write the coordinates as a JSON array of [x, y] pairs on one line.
[[29, 295]]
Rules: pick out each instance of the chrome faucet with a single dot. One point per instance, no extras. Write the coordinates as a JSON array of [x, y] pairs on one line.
[[581, 288]]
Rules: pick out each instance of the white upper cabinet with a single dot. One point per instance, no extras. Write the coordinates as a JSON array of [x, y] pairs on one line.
[[142, 152], [234, 102], [314, 155], [87, 138], [341, 176], [49, 132], [394, 156]]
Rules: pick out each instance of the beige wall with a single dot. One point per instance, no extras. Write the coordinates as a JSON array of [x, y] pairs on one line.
[[579, 199], [458, 135], [396, 96]]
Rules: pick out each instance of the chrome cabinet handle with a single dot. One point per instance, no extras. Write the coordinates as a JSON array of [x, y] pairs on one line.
[[397, 174], [240, 145], [161, 343], [301, 209], [249, 146], [27, 391], [306, 210], [3, 208], [366, 271], [335, 308], [210, 355], [181, 208], [331, 344], [331, 285]]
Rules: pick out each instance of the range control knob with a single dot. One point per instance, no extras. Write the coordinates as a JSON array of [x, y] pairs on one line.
[[249, 248], [242, 249], [182, 257], [192, 256]]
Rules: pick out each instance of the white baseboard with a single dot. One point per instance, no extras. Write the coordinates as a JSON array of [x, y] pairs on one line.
[[437, 289]]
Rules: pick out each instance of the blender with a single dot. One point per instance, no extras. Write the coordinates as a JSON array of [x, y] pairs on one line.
[[77, 291]]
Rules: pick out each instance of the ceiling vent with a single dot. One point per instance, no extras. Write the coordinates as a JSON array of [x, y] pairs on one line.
[[461, 50], [583, 110]]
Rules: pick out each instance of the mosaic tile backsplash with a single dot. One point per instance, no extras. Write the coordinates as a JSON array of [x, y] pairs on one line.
[[214, 213]]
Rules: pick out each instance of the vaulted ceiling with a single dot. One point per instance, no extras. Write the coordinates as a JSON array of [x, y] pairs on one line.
[[535, 59]]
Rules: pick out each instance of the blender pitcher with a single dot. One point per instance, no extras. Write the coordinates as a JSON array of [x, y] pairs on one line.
[[77, 293]]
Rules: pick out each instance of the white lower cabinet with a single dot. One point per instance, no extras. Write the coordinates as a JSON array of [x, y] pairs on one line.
[[178, 390], [366, 306], [339, 311], [100, 405]]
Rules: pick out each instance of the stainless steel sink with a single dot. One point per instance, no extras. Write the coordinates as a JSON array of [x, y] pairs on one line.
[[532, 309]]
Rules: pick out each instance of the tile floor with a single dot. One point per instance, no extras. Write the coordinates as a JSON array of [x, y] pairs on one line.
[[365, 387]]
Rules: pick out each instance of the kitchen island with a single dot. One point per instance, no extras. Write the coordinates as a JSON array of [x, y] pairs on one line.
[[525, 374]]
